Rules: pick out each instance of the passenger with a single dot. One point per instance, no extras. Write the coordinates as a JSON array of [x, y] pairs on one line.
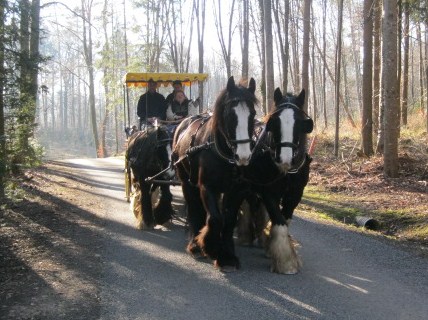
[[179, 108], [151, 105], [177, 86]]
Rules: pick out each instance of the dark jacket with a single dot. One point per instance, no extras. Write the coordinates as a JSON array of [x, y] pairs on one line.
[[151, 104], [170, 97], [182, 109]]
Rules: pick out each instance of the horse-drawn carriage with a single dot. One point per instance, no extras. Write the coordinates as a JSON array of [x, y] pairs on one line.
[[141, 80], [222, 160]]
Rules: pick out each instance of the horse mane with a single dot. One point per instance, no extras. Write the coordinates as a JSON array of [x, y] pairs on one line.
[[222, 100], [142, 146]]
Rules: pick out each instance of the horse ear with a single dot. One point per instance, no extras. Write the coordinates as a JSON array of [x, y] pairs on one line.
[[301, 98], [230, 84], [252, 85], [277, 96]]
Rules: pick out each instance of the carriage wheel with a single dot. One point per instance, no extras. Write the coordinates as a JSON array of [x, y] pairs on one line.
[[128, 182]]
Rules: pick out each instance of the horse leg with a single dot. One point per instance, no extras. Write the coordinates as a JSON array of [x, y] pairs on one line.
[[245, 227], [209, 237], [196, 216], [227, 260], [252, 222], [280, 248], [163, 211], [147, 221], [295, 185], [136, 205]]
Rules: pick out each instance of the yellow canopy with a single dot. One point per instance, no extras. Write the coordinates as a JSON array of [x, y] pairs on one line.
[[141, 79]]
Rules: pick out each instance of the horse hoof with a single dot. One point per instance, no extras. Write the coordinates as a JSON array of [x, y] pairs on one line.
[[195, 251], [143, 226], [225, 269], [290, 271]]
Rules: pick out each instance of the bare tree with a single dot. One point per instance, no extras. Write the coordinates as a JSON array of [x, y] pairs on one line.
[[245, 27], [366, 117], [178, 41], [282, 23], [421, 63], [337, 81], [294, 36], [324, 67], [87, 48], [305, 53], [405, 86], [225, 43], [199, 11], [258, 26], [390, 96], [2, 106], [376, 64], [426, 66], [267, 12]]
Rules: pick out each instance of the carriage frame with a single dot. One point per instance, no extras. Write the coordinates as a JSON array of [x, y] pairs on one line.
[[140, 80]]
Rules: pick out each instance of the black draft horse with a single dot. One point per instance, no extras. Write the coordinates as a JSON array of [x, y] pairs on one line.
[[148, 154], [278, 173], [208, 153]]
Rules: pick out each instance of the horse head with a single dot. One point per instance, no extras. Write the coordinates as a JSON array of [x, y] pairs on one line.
[[287, 126], [233, 118]]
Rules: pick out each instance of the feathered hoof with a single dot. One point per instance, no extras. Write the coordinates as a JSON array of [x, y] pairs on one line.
[[282, 252], [195, 251], [208, 242], [289, 267]]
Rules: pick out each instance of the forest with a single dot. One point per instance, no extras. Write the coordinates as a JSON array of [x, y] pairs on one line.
[[363, 64]]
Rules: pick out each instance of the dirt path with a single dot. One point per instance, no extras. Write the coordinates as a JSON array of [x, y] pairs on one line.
[[70, 251]]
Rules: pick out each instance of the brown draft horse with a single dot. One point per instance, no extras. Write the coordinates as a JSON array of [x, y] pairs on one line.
[[209, 153]]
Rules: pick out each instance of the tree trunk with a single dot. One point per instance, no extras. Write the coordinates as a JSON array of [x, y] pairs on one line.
[[376, 64], [294, 36], [421, 64], [313, 71], [87, 45], [267, 13], [324, 65], [390, 95], [283, 38], [199, 11], [245, 38], [305, 53], [260, 40], [337, 75], [426, 67], [2, 107], [355, 36], [366, 117], [405, 86]]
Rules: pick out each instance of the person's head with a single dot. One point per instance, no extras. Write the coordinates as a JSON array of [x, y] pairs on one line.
[[177, 85], [152, 85], [179, 96]]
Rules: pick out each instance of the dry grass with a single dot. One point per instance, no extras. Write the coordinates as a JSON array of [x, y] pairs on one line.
[[351, 185]]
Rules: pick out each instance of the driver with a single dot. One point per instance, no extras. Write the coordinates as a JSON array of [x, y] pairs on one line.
[[151, 105]]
